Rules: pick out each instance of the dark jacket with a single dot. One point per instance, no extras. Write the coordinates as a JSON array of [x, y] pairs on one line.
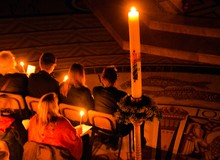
[[14, 134], [79, 97], [18, 83], [41, 83], [106, 98]]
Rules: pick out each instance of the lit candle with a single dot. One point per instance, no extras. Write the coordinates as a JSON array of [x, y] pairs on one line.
[[30, 69], [65, 78], [81, 114], [135, 55], [22, 64]]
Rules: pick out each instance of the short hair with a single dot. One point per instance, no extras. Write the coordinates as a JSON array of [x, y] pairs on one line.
[[47, 60], [7, 62], [109, 75]]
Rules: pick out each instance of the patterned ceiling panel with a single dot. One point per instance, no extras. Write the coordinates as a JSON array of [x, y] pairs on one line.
[[33, 24], [195, 8], [72, 38]]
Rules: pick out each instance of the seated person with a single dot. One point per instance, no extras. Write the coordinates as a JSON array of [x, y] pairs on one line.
[[42, 82], [12, 132], [106, 98], [48, 127], [74, 91], [10, 79]]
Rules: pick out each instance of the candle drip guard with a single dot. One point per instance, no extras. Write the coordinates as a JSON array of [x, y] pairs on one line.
[[135, 111]]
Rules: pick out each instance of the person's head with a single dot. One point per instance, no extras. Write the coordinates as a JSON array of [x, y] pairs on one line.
[[47, 113], [47, 62], [48, 107], [7, 62], [76, 75], [109, 76], [6, 104]]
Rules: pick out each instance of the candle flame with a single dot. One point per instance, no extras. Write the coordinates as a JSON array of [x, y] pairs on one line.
[[133, 12], [133, 9], [81, 113], [65, 78], [22, 63]]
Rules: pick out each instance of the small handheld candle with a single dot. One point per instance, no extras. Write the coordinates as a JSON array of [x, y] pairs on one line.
[[22, 64], [65, 78], [81, 113]]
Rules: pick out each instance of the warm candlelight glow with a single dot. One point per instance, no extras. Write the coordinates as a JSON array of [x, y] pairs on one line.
[[81, 113], [30, 69], [133, 12], [22, 64], [65, 78]]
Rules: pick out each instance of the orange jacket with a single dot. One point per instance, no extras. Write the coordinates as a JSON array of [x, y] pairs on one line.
[[63, 134]]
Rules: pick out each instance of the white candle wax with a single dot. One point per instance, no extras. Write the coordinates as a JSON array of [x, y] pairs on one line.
[[81, 114], [135, 55]]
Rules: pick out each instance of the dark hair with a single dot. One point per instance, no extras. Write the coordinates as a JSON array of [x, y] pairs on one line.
[[110, 74], [47, 60]]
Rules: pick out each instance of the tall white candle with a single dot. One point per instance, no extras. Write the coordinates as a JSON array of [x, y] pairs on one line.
[[135, 55]]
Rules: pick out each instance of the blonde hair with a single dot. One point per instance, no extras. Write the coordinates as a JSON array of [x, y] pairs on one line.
[[48, 111], [7, 63], [76, 77]]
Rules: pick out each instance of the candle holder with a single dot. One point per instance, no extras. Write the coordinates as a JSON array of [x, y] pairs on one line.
[[135, 111]]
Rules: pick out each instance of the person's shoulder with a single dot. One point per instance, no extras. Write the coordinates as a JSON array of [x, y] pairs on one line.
[[33, 75], [123, 93], [17, 75], [85, 89], [98, 88], [33, 119], [64, 121]]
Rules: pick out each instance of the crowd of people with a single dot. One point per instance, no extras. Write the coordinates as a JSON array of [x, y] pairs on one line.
[[48, 129]]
